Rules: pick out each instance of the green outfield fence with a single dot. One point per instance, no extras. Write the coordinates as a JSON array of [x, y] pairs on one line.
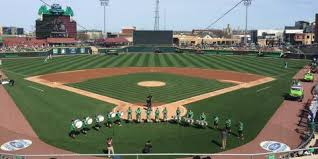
[[278, 155], [146, 49], [140, 49], [169, 49], [54, 51], [235, 52]]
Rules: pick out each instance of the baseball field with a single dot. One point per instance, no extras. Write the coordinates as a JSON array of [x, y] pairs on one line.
[[50, 109], [125, 88]]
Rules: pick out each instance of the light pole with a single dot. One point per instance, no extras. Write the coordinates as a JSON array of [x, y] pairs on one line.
[[104, 3], [156, 25], [247, 3]]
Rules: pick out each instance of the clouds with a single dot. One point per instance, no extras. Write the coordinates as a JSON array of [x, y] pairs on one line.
[[180, 14]]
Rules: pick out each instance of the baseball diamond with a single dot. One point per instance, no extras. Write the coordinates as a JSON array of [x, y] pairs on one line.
[[125, 88], [95, 80], [185, 87], [69, 83]]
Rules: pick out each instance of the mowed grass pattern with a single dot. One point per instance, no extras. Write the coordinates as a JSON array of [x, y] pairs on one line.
[[50, 112], [126, 88], [262, 66]]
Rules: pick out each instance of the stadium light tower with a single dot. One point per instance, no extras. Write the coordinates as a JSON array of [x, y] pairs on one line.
[[156, 25], [104, 3], [247, 3]]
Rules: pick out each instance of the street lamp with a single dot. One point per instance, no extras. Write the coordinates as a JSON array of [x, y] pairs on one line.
[[104, 3], [247, 3]]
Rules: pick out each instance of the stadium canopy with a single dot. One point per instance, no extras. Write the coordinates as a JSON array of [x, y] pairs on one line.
[[69, 11], [55, 9], [43, 10]]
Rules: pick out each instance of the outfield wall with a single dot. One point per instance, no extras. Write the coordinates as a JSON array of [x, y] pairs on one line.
[[167, 49], [151, 49], [53, 51], [147, 49], [139, 49], [232, 52]]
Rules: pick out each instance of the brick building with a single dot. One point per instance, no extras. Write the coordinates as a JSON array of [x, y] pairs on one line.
[[56, 23]]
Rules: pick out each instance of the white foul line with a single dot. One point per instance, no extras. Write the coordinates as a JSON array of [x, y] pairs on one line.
[[263, 89], [14, 73], [38, 89]]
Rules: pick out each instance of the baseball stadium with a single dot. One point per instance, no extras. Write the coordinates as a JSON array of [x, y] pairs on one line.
[[151, 97]]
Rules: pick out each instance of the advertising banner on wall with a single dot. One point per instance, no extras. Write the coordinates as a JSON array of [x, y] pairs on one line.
[[55, 51], [73, 50], [16, 145], [82, 50], [274, 146]]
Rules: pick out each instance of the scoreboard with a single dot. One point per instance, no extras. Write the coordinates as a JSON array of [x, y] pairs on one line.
[[148, 37], [56, 26]]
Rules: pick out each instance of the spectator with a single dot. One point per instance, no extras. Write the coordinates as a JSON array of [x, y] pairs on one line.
[[196, 157], [311, 150], [11, 82], [148, 147], [110, 147]]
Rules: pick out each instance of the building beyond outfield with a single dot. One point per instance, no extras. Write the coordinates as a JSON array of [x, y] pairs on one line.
[[55, 23]]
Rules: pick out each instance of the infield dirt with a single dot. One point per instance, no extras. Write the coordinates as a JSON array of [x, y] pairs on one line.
[[242, 80], [151, 84], [83, 75]]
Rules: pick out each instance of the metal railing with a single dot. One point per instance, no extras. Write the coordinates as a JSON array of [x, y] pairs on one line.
[[281, 155]]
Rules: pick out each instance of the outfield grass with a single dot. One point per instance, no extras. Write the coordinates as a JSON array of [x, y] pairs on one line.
[[49, 112], [262, 66], [126, 88]]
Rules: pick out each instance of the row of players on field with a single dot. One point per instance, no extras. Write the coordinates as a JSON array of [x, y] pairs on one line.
[[82, 125]]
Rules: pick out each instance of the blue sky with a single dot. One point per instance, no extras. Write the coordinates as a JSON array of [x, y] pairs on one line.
[[180, 14]]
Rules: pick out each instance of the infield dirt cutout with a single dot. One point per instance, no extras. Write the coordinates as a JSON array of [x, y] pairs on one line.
[[242, 80]]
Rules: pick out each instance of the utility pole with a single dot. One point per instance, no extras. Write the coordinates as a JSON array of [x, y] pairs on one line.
[[165, 20]]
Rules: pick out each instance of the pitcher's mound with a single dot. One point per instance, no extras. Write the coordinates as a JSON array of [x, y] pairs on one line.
[[151, 84]]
